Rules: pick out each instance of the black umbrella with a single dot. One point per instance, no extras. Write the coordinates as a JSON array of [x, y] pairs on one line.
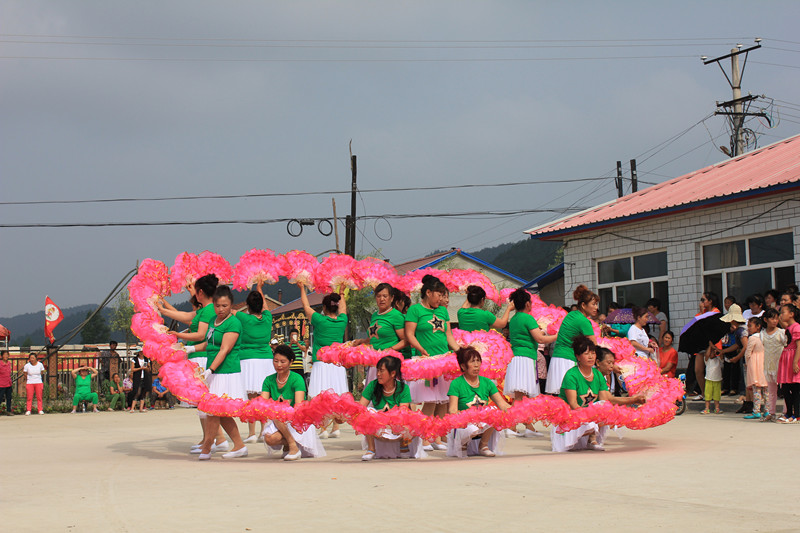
[[701, 330]]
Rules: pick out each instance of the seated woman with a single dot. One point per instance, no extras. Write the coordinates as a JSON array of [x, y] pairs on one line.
[[83, 388], [389, 390], [468, 390], [287, 386], [581, 386], [117, 392]]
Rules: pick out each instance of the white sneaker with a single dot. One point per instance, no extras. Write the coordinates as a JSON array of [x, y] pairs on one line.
[[27, 413], [324, 434], [241, 452], [530, 434], [42, 412], [368, 456], [335, 434], [222, 447], [250, 439]]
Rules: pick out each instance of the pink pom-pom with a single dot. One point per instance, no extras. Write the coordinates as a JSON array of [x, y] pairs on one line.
[[371, 272], [300, 267], [211, 263], [258, 266], [184, 271], [335, 273], [412, 281]]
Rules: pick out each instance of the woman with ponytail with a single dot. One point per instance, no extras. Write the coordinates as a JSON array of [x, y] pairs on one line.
[[473, 317], [574, 324]]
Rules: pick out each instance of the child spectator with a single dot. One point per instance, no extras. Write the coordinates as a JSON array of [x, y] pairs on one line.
[[713, 380], [789, 365], [754, 358], [668, 359], [774, 339]]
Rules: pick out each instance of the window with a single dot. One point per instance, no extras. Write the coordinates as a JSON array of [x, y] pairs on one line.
[[633, 280], [748, 266]]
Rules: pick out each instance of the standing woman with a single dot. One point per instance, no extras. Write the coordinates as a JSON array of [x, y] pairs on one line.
[[224, 373], [33, 370], [287, 386], [386, 326], [329, 327], [402, 302], [473, 317], [202, 292], [709, 302], [255, 353], [525, 335], [142, 381], [574, 324], [428, 331]]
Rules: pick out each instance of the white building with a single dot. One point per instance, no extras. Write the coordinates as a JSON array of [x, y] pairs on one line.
[[732, 228]]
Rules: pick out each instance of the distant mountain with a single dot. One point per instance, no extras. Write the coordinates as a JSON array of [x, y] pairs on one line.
[[529, 258], [32, 324]]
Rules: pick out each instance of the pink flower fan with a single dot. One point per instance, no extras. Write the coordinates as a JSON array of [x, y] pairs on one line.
[[372, 272], [335, 273], [501, 296], [184, 271], [211, 263], [460, 279], [412, 281], [258, 266], [549, 317], [300, 267], [494, 349]]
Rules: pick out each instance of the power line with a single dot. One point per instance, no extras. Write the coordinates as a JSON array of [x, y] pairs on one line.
[[285, 194]]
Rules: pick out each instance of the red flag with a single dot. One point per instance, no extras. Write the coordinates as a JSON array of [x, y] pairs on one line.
[[52, 317]]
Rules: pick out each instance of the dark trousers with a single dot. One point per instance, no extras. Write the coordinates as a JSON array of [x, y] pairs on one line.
[[5, 393], [791, 395], [731, 374], [692, 387]]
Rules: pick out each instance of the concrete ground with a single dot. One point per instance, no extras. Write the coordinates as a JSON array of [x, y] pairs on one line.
[[131, 472]]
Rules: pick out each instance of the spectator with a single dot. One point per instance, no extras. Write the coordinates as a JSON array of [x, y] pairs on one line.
[[771, 298], [117, 391], [299, 350], [5, 383], [83, 388], [142, 377], [33, 369], [109, 361], [755, 304], [654, 306], [161, 398], [645, 347], [668, 358]]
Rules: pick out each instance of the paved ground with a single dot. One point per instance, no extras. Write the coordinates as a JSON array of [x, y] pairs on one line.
[[130, 472]]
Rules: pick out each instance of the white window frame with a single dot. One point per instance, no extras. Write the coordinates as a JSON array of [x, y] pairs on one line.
[[633, 281]]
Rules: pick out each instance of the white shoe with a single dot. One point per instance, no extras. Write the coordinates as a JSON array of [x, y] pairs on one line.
[[530, 434], [204, 457], [260, 438], [241, 452], [324, 434], [42, 412], [437, 446], [27, 413], [368, 456], [250, 439], [196, 446], [293, 457], [222, 447], [511, 434], [428, 448], [335, 434], [486, 452], [596, 447]]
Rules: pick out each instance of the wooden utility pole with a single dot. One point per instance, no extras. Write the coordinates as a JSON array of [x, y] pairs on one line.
[[350, 224]]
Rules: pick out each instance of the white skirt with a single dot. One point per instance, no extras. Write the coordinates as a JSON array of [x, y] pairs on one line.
[[521, 377], [555, 374], [308, 441], [220, 384], [254, 372], [457, 438], [325, 376], [390, 449], [422, 393], [576, 439]]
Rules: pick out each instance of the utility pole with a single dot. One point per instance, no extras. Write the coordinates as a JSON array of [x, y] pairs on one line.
[[619, 179], [738, 108], [350, 221], [634, 177]]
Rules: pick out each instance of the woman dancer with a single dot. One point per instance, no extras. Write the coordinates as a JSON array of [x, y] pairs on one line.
[[224, 372], [574, 324], [581, 386], [255, 354], [388, 390], [386, 326], [524, 334], [329, 327], [428, 331], [468, 390], [287, 386], [473, 317], [202, 292]]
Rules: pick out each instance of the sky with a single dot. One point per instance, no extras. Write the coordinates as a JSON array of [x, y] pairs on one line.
[[143, 100]]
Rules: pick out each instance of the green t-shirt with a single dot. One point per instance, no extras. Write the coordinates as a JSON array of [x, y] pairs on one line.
[[431, 327], [327, 330], [383, 328], [204, 314], [469, 396], [255, 337], [587, 391], [574, 324], [474, 319], [387, 402], [214, 337], [293, 384], [519, 335], [83, 384]]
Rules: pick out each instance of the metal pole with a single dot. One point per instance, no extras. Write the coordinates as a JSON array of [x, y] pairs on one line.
[[353, 190], [619, 179], [634, 177], [738, 117]]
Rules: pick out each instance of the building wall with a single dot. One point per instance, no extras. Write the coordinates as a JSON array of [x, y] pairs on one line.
[[682, 235]]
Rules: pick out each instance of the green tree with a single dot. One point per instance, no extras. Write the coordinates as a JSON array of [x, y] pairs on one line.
[[26, 344], [360, 306], [121, 316], [96, 330]]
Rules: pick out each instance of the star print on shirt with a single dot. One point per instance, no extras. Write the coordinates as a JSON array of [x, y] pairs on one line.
[[476, 401], [436, 323], [588, 398], [373, 329]]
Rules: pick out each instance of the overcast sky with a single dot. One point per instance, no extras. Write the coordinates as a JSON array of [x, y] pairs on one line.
[[149, 99]]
